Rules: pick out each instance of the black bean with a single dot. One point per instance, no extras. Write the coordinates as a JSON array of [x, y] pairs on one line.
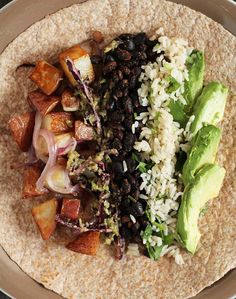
[[123, 55], [136, 102], [109, 67], [124, 83], [125, 219], [116, 116], [152, 56], [128, 45], [152, 43], [96, 59], [141, 109], [117, 167], [129, 140], [140, 38], [167, 59], [135, 194], [111, 104], [132, 179], [128, 106], [128, 121], [125, 70], [125, 92], [142, 47], [136, 71], [131, 165], [134, 95], [118, 134], [116, 126], [125, 186], [125, 203], [143, 222], [132, 82], [135, 227], [118, 93], [126, 233], [109, 58], [117, 144], [120, 75], [136, 209]]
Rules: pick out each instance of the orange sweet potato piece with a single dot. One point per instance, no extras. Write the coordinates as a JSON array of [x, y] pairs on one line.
[[86, 243], [46, 76], [44, 215], [70, 208], [31, 175], [83, 132], [81, 60], [43, 103], [58, 122], [22, 127], [69, 101]]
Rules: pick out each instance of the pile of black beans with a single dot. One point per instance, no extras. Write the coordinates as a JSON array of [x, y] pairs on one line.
[[121, 71]]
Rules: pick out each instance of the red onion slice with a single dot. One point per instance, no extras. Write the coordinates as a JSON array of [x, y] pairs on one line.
[[70, 146], [52, 150], [57, 180], [37, 126]]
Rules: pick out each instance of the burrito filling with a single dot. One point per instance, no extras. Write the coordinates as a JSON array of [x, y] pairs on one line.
[[121, 143]]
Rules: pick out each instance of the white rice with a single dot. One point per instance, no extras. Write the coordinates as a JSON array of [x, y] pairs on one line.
[[162, 137]]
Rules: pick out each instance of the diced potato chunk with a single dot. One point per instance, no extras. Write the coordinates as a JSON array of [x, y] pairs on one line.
[[58, 122], [22, 127], [44, 215], [83, 132], [81, 61], [46, 76], [43, 103], [69, 101], [86, 243], [70, 208], [31, 175]]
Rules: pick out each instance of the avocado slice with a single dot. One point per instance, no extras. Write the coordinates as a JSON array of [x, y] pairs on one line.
[[178, 113], [204, 150], [205, 186], [209, 107], [196, 66]]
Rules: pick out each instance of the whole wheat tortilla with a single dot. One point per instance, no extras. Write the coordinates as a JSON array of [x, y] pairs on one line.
[[79, 276]]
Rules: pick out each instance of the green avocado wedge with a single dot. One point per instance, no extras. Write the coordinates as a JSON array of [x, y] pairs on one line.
[[205, 186], [209, 107], [204, 150], [196, 66]]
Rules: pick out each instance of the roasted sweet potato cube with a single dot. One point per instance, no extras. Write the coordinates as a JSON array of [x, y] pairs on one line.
[[70, 208], [22, 127], [69, 101], [46, 76], [43, 103], [31, 175], [58, 122], [44, 215], [83, 132], [86, 243], [81, 61]]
